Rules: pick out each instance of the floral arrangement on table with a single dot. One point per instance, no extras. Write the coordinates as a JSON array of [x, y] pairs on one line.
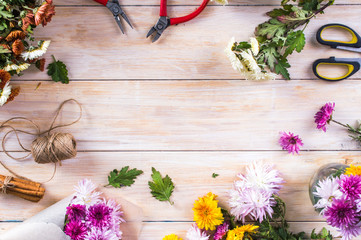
[[254, 197], [18, 48], [338, 199], [90, 217], [275, 40]]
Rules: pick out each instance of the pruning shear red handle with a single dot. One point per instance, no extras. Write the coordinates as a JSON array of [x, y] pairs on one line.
[[114, 7], [164, 21]]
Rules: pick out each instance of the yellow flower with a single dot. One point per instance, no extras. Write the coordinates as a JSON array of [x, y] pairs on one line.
[[207, 214], [353, 170], [238, 232], [171, 237]]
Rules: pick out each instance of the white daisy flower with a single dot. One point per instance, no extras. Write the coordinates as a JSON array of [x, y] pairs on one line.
[[327, 190], [250, 62], [4, 94], [37, 52], [194, 233], [222, 2], [254, 46], [235, 62], [17, 68], [85, 193]]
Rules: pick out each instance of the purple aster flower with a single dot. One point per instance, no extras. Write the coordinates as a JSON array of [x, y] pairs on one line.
[[324, 116], [290, 142], [99, 215], [351, 231], [76, 212], [342, 213], [101, 234], [351, 186], [76, 230], [221, 231]]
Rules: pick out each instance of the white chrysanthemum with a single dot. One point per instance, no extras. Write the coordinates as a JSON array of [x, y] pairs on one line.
[[250, 62], [194, 233], [260, 176], [4, 94], [85, 193], [37, 52], [254, 46], [17, 68], [222, 2], [260, 76], [235, 62], [327, 190]]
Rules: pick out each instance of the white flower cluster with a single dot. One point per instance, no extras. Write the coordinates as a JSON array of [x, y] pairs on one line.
[[4, 94], [37, 52], [246, 63], [222, 2]]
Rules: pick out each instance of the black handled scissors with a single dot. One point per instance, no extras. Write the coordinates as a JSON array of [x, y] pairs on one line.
[[354, 45]]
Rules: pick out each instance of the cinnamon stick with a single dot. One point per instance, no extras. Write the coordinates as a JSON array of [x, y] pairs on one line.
[[27, 197]]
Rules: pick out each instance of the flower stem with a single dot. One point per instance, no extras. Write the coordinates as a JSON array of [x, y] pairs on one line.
[[343, 125]]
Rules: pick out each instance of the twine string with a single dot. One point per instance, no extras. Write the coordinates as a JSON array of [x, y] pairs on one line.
[[6, 184], [47, 147]]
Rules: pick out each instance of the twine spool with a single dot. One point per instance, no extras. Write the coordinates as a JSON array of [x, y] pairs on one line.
[[47, 147]]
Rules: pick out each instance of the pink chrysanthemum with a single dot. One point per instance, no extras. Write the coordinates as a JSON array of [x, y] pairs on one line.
[[194, 233], [324, 116], [101, 234], [351, 186], [221, 231], [76, 230], [290, 142], [76, 212], [350, 232], [85, 193], [99, 215]]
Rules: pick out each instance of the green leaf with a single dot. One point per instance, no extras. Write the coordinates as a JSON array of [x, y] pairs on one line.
[[277, 12], [214, 175], [4, 50], [58, 72], [270, 56], [272, 28], [161, 188], [295, 41], [124, 177], [281, 68], [242, 46]]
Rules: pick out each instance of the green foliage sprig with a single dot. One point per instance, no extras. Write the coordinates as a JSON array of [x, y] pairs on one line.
[[161, 188], [123, 178], [278, 37]]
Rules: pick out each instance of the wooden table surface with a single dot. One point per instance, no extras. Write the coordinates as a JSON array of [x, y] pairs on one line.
[[178, 106]]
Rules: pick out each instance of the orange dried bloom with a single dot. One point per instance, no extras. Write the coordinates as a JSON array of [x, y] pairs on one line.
[[44, 14], [15, 35], [5, 46], [40, 64], [14, 92], [27, 20], [18, 47], [4, 78]]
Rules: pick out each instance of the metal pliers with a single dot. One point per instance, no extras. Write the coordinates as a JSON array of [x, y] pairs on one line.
[[114, 7], [164, 21]]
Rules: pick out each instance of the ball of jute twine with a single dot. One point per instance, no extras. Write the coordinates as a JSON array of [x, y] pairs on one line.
[[47, 147]]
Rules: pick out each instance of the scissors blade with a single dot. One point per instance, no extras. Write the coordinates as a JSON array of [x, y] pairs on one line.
[[126, 19], [156, 37], [151, 31], [117, 19], [351, 49]]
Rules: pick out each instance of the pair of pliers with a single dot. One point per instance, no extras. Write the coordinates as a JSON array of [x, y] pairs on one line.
[[114, 7], [164, 21]]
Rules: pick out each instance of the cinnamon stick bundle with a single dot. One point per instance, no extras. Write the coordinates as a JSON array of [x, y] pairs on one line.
[[26, 189]]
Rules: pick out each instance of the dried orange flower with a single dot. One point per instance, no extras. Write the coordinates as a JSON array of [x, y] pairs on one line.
[[15, 35], [4, 78], [14, 93], [17, 47], [44, 14], [40, 64]]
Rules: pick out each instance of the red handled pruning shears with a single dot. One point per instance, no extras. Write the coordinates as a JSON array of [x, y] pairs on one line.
[[114, 7], [164, 21]]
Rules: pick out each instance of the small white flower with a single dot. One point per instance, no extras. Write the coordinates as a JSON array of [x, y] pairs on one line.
[[327, 190], [235, 62], [37, 52], [4, 94], [254, 46], [222, 2], [17, 68], [250, 62], [194, 233], [85, 193]]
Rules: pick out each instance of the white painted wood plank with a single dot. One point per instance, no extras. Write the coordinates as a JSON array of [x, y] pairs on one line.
[[190, 171], [88, 40], [191, 115]]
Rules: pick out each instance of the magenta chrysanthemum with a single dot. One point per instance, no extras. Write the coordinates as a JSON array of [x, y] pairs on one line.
[[76, 230], [324, 116], [99, 215], [350, 231], [76, 212], [290, 142], [101, 234], [351, 186], [341, 214], [221, 231]]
